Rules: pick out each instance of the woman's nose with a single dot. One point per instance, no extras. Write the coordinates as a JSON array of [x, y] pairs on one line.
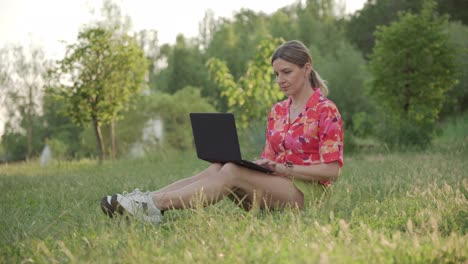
[[279, 79]]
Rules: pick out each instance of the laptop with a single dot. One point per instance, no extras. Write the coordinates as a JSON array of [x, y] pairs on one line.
[[216, 141]]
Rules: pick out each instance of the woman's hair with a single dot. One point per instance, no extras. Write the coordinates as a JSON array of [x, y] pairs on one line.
[[297, 53]]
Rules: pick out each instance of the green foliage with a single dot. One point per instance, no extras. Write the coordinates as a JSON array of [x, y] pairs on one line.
[[129, 129], [362, 125], [22, 77], [282, 23], [454, 133], [413, 68], [457, 97], [252, 96], [57, 126], [58, 148], [362, 24], [174, 111], [336, 60], [314, 17], [14, 145], [87, 140], [147, 40], [235, 41], [185, 67], [455, 8], [104, 70], [344, 69], [314, 23]]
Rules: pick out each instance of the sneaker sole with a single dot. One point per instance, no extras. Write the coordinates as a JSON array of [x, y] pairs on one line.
[[111, 208]]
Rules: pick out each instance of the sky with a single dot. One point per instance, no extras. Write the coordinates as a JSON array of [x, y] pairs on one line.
[[52, 24]]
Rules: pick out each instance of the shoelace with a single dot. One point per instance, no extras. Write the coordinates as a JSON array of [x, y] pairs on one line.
[[139, 198], [135, 191], [135, 194]]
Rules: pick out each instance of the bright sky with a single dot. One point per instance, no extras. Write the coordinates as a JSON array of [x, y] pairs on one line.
[[47, 22], [50, 22]]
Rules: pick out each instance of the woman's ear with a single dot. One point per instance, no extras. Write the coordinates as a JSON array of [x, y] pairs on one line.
[[308, 68]]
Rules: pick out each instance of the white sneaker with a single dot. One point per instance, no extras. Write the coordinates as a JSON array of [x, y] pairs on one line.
[[136, 203]]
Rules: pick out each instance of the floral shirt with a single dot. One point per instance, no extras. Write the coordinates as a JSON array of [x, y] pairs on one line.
[[315, 136]]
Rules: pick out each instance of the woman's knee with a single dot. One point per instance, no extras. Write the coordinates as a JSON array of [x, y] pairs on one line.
[[229, 169], [212, 170], [215, 167]]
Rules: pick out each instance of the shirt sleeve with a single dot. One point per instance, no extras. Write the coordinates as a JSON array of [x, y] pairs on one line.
[[330, 135]]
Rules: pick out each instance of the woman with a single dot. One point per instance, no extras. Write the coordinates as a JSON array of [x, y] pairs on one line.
[[304, 143]]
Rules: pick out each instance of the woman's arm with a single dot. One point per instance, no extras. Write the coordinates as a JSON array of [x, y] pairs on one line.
[[315, 172]]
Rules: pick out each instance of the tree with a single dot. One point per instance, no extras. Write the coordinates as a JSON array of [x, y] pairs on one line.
[[344, 70], [314, 17], [98, 77], [457, 101], [206, 29], [361, 25], [412, 66], [282, 23], [22, 81], [58, 128], [255, 92], [455, 8], [184, 66], [148, 42], [235, 41]]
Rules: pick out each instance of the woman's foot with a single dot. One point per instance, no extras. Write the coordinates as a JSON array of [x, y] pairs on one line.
[[138, 204]]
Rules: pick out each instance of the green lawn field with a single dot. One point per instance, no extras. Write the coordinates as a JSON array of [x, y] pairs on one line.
[[387, 207]]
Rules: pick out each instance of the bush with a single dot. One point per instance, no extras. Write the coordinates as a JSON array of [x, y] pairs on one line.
[[345, 72], [15, 146], [457, 98], [413, 67], [174, 111], [58, 148], [400, 133]]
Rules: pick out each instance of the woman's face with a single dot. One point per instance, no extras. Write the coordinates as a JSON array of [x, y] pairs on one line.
[[291, 78]]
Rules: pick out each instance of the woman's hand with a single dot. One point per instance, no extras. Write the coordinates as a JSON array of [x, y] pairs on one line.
[[277, 168]]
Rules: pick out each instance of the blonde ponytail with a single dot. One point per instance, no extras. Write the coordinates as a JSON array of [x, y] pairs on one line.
[[316, 81]]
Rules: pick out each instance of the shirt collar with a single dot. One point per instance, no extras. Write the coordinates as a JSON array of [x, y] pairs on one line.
[[312, 101]]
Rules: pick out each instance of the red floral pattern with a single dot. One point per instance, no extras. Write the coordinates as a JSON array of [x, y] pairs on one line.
[[315, 136]]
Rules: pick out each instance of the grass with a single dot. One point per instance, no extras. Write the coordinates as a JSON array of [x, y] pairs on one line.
[[407, 207]]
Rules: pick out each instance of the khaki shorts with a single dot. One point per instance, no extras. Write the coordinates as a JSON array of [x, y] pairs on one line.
[[315, 194]]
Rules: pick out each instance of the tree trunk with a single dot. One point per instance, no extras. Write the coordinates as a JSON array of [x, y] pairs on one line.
[[112, 136], [29, 135], [100, 141], [29, 125]]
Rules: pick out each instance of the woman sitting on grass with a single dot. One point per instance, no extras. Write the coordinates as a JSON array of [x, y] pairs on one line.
[[304, 148]]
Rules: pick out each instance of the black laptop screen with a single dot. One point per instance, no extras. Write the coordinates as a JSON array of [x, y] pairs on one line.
[[215, 136]]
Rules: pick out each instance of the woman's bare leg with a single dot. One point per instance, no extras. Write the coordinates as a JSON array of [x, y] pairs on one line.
[[212, 169], [263, 189]]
